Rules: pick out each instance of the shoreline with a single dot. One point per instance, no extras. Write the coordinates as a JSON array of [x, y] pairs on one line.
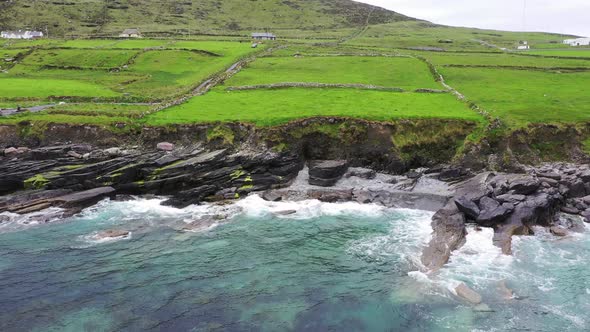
[[509, 203]]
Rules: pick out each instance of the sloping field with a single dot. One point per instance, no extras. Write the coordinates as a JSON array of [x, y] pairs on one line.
[[272, 107], [124, 73], [85, 59], [402, 72]]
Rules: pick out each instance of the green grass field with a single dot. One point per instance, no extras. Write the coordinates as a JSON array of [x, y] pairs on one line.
[[519, 97], [574, 53], [407, 73], [85, 59], [44, 88], [123, 73], [273, 107]]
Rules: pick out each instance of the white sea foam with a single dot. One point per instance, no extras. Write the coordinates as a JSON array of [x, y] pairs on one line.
[[409, 232], [255, 206], [479, 261], [17, 222]]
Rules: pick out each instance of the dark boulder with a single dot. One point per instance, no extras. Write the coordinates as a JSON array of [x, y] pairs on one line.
[[510, 198], [491, 217], [191, 196], [326, 173], [468, 207], [524, 185]]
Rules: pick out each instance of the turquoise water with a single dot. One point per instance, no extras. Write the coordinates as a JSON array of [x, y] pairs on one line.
[[329, 267]]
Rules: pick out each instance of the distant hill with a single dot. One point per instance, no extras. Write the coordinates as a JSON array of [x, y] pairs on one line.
[[160, 17]]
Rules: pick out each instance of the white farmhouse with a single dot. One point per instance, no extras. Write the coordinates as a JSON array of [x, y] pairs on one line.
[[523, 45], [130, 33], [21, 34], [577, 42]]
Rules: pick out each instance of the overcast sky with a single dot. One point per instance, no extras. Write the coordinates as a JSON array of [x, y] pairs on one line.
[[561, 16]]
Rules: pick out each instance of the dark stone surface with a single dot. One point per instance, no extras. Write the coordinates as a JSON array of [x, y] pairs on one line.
[[326, 173], [468, 207]]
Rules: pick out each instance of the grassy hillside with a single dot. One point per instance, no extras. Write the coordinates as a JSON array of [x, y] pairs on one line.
[[108, 17]]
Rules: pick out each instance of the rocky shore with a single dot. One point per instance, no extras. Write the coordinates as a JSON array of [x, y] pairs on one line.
[[74, 176]]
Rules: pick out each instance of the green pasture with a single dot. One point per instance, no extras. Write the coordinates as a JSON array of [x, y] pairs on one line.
[[100, 59], [500, 59], [403, 72], [520, 97], [273, 107], [99, 109], [38, 88], [572, 52]]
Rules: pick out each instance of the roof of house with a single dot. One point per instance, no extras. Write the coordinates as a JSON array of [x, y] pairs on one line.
[[131, 32], [22, 33], [263, 34]]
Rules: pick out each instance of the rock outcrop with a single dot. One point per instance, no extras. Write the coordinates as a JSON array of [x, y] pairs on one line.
[[326, 173], [511, 204]]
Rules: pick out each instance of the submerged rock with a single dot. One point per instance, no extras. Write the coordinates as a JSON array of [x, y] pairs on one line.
[[558, 231], [112, 234], [468, 294]]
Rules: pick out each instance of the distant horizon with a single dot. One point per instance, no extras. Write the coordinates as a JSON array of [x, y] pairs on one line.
[[567, 17]]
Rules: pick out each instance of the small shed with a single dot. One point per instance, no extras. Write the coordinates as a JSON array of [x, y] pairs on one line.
[[130, 33], [263, 36]]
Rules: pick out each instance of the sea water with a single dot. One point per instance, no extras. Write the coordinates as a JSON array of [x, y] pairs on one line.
[[326, 267]]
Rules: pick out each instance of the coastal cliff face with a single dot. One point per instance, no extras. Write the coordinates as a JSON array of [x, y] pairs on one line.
[[73, 167]]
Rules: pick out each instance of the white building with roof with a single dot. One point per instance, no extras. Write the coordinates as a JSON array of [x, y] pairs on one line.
[[21, 34], [263, 36], [578, 42]]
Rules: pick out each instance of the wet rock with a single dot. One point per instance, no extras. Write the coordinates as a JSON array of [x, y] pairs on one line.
[[367, 174], [331, 196], [192, 196], [112, 234], [558, 231], [586, 215], [113, 152], [571, 222], [165, 146], [585, 176], [4, 218], [491, 217], [449, 233], [85, 198], [272, 196], [510, 198], [505, 292], [468, 207], [10, 152], [569, 210], [524, 185], [468, 294], [452, 174], [577, 189], [285, 212], [327, 172], [74, 154], [482, 307], [549, 175]]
